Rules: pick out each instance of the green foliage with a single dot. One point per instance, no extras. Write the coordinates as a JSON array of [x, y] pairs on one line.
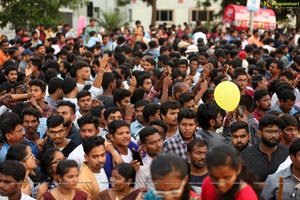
[[110, 20], [27, 13], [123, 2]]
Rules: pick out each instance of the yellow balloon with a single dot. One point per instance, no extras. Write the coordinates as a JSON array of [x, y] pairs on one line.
[[227, 95]]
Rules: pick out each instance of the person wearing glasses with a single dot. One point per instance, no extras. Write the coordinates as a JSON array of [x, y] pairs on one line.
[[122, 182], [56, 131], [22, 152], [48, 166], [169, 172], [225, 179], [265, 157]]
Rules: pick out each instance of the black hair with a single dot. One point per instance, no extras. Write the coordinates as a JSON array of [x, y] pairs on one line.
[[295, 147], [279, 63], [110, 110], [17, 152], [195, 143], [108, 78], [127, 171], [10, 68], [83, 93], [68, 85], [54, 121], [96, 110], [9, 121], [286, 95], [256, 79], [268, 120], [13, 168], [289, 75], [54, 84], [140, 80], [92, 142], [46, 161], [235, 126], [36, 61], [88, 119], [146, 132], [64, 166], [67, 103], [259, 94], [168, 105], [206, 112], [31, 111], [185, 97], [120, 94], [288, 120], [114, 125], [187, 113], [140, 103], [138, 95], [247, 101], [150, 110], [39, 83]]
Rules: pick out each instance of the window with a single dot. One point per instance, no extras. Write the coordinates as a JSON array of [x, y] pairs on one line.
[[202, 15], [164, 15]]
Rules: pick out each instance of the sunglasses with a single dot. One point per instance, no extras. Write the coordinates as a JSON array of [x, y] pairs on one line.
[[171, 193]]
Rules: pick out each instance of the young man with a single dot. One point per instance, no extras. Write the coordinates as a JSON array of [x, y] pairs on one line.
[[35, 65], [108, 85], [240, 137], [120, 137], [55, 91], [241, 79], [11, 75], [187, 125], [121, 99], [196, 151], [110, 114], [187, 100], [151, 112], [287, 101], [30, 118], [82, 74], [264, 158], [12, 175], [275, 68], [12, 132], [291, 174], [139, 122], [152, 143], [57, 133], [70, 90], [290, 130], [84, 102], [67, 110], [169, 114], [209, 118], [92, 178]]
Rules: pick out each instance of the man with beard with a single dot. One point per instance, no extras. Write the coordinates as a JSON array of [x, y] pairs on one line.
[[84, 102], [139, 122], [196, 153], [57, 133], [209, 118], [264, 158], [152, 144], [30, 118], [262, 103], [67, 110], [92, 178], [240, 137], [187, 125], [11, 75]]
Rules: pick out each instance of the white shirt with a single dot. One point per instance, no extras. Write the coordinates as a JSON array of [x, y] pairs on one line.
[[78, 155], [127, 158], [78, 116], [73, 100], [102, 180], [143, 176], [23, 197], [285, 164]]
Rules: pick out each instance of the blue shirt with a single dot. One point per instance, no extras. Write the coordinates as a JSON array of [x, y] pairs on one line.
[[33, 146], [135, 127], [3, 151]]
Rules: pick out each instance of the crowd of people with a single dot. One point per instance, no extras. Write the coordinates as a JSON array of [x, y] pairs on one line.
[[131, 114]]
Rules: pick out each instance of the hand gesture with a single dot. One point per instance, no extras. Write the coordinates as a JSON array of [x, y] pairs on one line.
[[135, 164], [133, 81], [129, 111], [42, 189], [103, 61], [28, 70]]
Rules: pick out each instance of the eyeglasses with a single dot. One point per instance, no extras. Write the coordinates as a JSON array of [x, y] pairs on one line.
[[57, 161], [30, 156], [272, 131], [60, 132], [171, 193]]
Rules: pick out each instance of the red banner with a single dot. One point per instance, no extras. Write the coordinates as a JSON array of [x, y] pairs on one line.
[[180, 1]]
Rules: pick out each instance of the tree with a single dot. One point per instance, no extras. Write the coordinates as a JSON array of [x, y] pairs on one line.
[[28, 13], [152, 3], [111, 20]]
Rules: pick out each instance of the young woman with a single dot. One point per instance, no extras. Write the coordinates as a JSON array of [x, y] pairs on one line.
[[224, 182], [169, 172], [67, 176], [122, 180], [48, 166], [23, 153]]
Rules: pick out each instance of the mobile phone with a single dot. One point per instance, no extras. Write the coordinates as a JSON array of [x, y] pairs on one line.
[[136, 156], [240, 111]]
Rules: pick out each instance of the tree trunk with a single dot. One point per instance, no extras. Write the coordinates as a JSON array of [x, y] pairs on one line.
[[154, 8]]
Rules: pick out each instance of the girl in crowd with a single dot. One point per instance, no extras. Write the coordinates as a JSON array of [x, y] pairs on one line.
[[48, 165], [67, 176], [122, 180], [224, 182], [22, 152], [169, 174]]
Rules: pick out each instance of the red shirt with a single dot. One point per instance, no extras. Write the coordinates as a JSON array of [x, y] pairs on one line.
[[209, 192]]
